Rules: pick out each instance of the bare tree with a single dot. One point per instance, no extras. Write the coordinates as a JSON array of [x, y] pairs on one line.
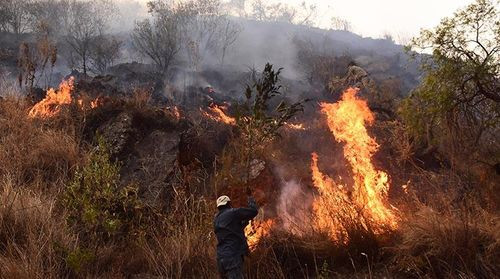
[[160, 38], [48, 15], [4, 17], [259, 10], [301, 15], [194, 26], [35, 59], [203, 29], [229, 33], [238, 7], [86, 22], [14, 15], [388, 36], [273, 12], [309, 12], [104, 51], [341, 24]]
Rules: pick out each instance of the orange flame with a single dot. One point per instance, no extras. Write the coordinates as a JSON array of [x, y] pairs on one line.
[[346, 120], [217, 113], [52, 103], [176, 112], [331, 206], [54, 100], [292, 126], [95, 103], [256, 230]]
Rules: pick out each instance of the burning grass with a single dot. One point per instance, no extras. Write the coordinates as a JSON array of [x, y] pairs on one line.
[[30, 152], [347, 120], [347, 227]]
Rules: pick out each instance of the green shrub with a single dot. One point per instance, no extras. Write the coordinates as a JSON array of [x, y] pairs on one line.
[[99, 208], [79, 258]]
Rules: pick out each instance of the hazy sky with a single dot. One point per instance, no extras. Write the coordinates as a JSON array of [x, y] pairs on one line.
[[375, 17]]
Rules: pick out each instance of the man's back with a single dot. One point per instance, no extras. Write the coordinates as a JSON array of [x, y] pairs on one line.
[[229, 225]]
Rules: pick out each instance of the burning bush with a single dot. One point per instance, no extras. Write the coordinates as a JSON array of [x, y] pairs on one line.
[[346, 119]]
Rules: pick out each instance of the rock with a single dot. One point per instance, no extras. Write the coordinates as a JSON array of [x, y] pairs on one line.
[[119, 134], [256, 167], [200, 146], [152, 163]]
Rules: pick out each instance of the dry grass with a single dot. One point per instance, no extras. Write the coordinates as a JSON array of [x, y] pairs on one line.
[[33, 153], [445, 235], [457, 240], [184, 246], [33, 236]]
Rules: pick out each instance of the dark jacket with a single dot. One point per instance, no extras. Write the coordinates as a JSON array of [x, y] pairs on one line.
[[229, 226]]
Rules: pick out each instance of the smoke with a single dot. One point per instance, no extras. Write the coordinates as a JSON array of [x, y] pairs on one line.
[[262, 42], [258, 43], [9, 86], [129, 11], [294, 207]]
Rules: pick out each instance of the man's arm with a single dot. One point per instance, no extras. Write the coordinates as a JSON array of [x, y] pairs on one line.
[[248, 213]]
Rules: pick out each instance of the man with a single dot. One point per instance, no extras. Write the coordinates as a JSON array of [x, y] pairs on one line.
[[229, 225]]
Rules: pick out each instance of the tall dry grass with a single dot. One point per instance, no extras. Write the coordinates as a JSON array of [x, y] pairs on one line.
[[458, 239], [35, 163], [33, 236], [184, 245], [33, 153]]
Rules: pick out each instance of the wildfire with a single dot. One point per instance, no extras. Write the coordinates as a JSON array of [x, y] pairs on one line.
[[54, 100], [292, 126], [52, 103], [174, 111], [95, 103], [256, 230], [346, 120], [217, 113], [332, 205]]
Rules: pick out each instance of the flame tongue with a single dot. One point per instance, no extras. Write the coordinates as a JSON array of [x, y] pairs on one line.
[[346, 120], [257, 230], [331, 204], [51, 104], [217, 113]]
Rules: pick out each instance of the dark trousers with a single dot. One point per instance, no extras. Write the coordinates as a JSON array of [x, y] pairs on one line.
[[230, 268]]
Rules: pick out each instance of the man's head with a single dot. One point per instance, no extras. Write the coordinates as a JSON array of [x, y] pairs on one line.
[[223, 201]]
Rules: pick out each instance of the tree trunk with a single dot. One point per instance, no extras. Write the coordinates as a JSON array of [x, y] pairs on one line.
[[84, 58]]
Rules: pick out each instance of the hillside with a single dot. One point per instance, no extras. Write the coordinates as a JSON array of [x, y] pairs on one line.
[[366, 160]]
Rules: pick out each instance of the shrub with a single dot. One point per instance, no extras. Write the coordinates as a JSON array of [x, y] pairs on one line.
[[99, 208]]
